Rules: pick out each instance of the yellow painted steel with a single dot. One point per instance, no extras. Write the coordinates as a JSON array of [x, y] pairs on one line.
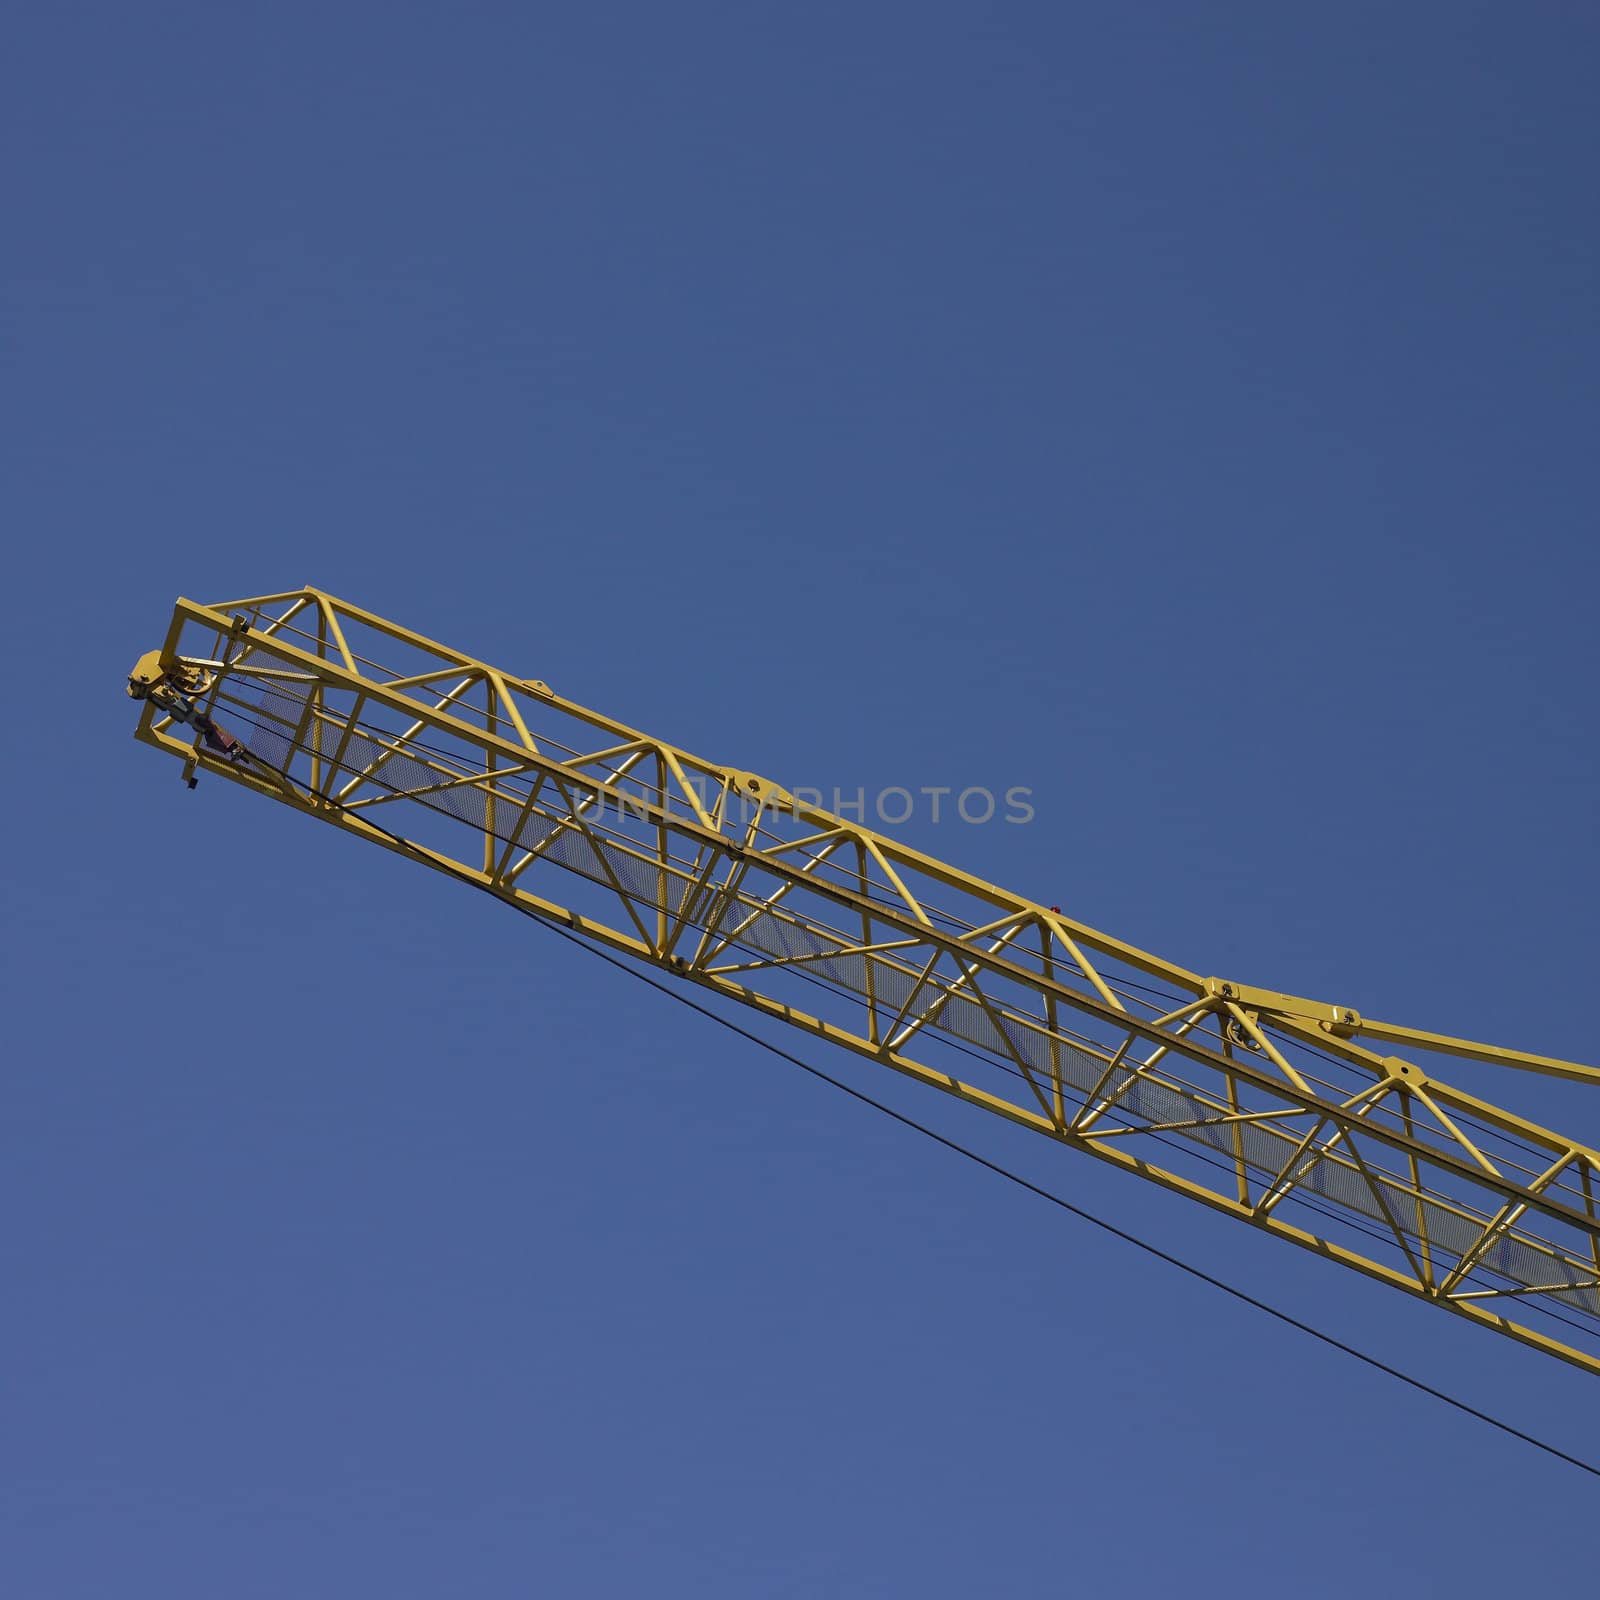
[[1259, 1104]]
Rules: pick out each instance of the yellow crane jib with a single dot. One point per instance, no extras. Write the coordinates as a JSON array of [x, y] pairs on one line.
[[1267, 1107]]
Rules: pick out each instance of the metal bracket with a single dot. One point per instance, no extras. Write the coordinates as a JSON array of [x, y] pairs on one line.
[[1340, 1021], [1407, 1073]]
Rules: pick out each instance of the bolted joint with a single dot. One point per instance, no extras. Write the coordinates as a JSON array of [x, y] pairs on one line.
[[755, 790], [1340, 1021], [1405, 1073]]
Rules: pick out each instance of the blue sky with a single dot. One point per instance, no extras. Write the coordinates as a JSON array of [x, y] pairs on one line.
[[1187, 413]]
